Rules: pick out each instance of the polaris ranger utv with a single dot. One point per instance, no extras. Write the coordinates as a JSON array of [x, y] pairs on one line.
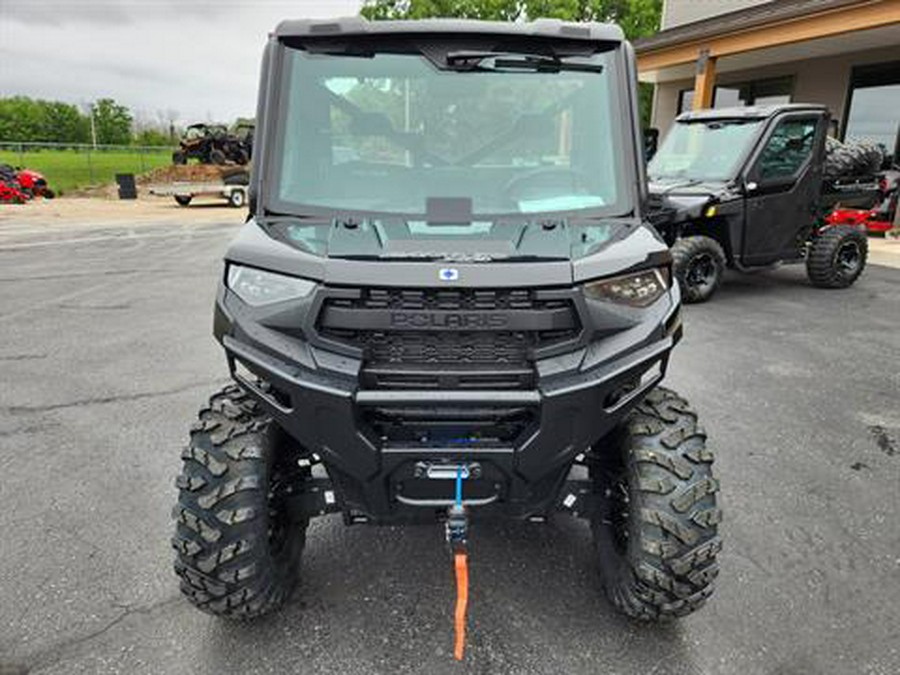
[[743, 188], [447, 305]]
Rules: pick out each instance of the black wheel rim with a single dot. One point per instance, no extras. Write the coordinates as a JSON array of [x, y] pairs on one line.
[[278, 521], [848, 257], [617, 512], [286, 476], [701, 272]]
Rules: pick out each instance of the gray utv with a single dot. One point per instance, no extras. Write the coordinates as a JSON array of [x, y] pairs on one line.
[[447, 305]]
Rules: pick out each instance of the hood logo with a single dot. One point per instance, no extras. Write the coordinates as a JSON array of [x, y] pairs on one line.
[[448, 274]]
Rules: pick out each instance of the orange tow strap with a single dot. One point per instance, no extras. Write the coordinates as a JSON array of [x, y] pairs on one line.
[[462, 601]]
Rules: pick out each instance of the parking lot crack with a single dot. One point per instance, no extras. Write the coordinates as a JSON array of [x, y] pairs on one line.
[[57, 652], [22, 357], [103, 400], [21, 431]]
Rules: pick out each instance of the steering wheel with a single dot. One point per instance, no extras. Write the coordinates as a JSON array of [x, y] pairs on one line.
[[543, 177]]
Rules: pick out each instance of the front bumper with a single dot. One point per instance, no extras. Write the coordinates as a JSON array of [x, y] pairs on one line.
[[377, 479]]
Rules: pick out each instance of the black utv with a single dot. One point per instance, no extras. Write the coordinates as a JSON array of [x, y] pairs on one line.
[[744, 188], [447, 305]]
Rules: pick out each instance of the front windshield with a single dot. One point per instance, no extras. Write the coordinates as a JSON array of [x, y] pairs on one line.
[[388, 133], [703, 151]]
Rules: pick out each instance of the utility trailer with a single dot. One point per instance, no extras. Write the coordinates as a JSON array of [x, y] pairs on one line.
[[184, 193]]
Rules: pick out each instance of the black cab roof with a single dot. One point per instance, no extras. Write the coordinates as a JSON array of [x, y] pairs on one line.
[[748, 112], [544, 28]]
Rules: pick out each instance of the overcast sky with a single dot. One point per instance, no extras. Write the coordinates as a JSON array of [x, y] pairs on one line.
[[197, 57]]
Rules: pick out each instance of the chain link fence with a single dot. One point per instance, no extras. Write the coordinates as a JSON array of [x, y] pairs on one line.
[[70, 167]]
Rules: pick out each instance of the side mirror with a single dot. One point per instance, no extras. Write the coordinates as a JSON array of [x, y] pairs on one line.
[[751, 186]]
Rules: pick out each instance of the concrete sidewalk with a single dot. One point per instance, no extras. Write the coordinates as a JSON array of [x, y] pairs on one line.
[[884, 252]]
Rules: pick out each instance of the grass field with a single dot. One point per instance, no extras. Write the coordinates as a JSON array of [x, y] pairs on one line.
[[67, 170]]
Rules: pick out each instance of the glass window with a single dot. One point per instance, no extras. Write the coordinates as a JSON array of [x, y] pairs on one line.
[[685, 100], [704, 150], [761, 92], [770, 92], [774, 99], [388, 133], [728, 97], [788, 148], [875, 116]]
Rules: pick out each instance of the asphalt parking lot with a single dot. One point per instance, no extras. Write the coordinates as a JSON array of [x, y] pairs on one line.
[[106, 353]]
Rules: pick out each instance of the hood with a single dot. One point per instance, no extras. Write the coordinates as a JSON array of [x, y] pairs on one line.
[[682, 199], [532, 254], [397, 239]]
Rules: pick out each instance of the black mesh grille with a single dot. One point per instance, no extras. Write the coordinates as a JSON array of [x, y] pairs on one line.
[[449, 427], [469, 299], [475, 348], [445, 348]]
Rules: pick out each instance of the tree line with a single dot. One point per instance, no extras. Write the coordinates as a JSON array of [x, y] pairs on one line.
[[28, 120], [23, 119], [638, 18]]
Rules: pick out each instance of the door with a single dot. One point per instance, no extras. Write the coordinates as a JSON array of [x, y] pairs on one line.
[[783, 187]]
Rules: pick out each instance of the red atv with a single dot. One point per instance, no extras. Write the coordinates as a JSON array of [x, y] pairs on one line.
[[11, 195], [880, 218], [27, 182], [9, 187]]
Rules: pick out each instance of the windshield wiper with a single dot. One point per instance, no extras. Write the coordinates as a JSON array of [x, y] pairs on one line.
[[681, 183], [496, 61]]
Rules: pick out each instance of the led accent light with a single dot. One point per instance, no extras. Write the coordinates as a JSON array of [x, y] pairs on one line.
[[638, 289]]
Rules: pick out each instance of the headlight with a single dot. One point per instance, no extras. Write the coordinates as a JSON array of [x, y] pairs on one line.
[[257, 287], [635, 290]]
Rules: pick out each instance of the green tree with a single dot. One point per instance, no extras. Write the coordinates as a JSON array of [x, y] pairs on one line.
[[493, 10], [637, 18], [19, 119], [64, 123], [152, 137], [29, 120], [112, 122]]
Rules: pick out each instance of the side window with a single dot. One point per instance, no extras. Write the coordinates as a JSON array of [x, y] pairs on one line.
[[787, 149]]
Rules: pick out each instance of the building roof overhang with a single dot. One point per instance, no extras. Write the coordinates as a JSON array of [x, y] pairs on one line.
[[767, 26], [722, 24]]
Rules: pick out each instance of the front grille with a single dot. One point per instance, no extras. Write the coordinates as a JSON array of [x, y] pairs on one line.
[[449, 338], [447, 299], [449, 427], [446, 376], [443, 348]]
